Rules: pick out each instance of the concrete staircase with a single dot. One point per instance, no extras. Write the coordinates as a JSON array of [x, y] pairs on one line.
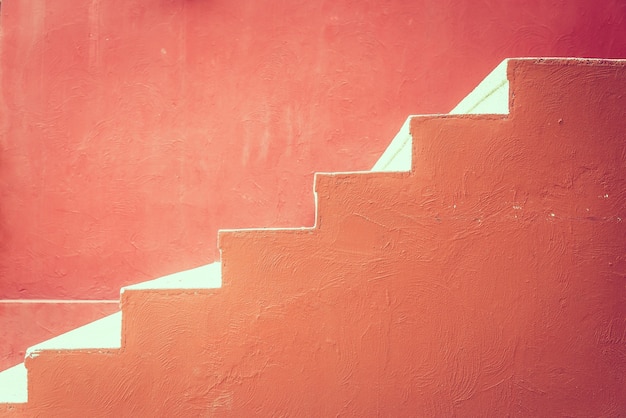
[[486, 281]]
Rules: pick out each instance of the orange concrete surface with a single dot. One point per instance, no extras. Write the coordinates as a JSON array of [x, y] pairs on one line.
[[487, 282]]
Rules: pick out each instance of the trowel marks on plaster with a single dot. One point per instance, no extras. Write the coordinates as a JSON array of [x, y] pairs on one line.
[[487, 281]]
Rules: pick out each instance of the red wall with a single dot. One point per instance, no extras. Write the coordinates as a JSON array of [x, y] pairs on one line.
[[133, 129]]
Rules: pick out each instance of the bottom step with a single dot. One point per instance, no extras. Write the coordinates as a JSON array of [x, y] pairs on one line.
[[105, 333]]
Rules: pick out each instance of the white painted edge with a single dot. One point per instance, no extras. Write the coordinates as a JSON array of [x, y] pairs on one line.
[[59, 301], [297, 228], [14, 384]]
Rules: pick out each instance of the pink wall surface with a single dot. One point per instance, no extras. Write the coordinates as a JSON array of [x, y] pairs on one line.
[[131, 130]]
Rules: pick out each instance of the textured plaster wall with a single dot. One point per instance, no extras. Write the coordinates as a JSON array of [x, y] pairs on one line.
[[489, 281], [131, 130]]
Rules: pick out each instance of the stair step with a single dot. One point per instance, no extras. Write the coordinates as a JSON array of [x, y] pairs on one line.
[[491, 96], [105, 333], [170, 299], [101, 334]]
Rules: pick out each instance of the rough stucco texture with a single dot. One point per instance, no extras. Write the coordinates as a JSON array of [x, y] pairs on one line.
[[131, 130], [487, 282]]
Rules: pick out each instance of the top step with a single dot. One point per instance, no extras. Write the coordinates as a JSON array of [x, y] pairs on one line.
[[491, 96]]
